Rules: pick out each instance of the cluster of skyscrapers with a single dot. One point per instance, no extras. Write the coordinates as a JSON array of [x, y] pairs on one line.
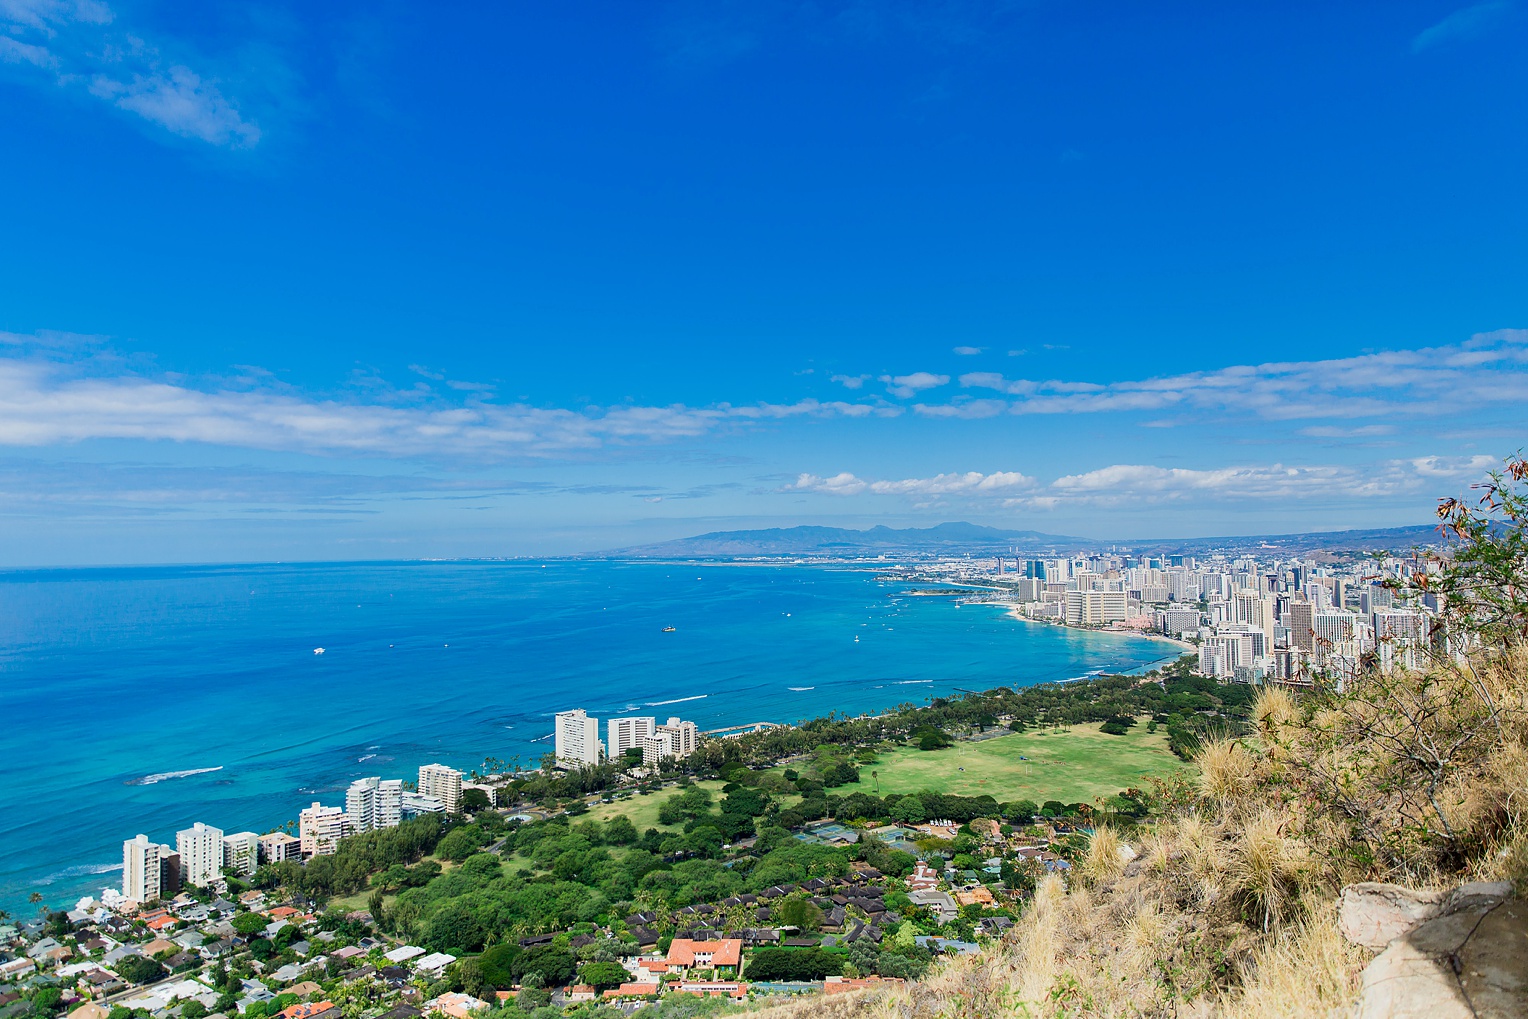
[[202, 853], [578, 742], [1251, 619]]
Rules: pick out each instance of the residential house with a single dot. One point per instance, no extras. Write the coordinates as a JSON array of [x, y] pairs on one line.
[[686, 954]]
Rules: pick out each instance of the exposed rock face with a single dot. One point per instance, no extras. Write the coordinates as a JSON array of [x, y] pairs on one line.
[[1373, 914], [1466, 955]]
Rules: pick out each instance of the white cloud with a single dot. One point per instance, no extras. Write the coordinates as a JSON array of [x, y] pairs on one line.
[[45, 402], [850, 381], [1137, 485], [1489, 368], [1361, 432], [970, 483], [906, 386], [1141, 484], [969, 351], [1462, 24], [79, 45]]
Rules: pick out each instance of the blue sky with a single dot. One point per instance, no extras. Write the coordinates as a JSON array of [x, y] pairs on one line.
[[290, 281]]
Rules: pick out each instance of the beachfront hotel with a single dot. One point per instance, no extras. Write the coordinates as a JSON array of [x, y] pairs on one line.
[[675, 738], [629, 733], [577, 739], [442, 783]]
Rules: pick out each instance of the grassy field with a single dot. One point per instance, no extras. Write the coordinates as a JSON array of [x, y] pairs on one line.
[[1071, 765], [643, 810]]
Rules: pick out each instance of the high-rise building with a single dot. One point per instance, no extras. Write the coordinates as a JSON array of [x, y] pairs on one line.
[[1095, 608], [675, 738], [443, 783], [320, 828], [241, 851], [578, 739], [150, 870], [374, 803], [628, 733], [1302, 633], [201, 854]]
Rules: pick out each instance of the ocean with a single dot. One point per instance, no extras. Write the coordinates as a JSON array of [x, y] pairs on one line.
[[144, 699]]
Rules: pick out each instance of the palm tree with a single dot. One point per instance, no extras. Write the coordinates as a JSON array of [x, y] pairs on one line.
[[877, 776]]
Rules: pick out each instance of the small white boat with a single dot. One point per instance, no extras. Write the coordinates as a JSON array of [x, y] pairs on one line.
[[318, 651]]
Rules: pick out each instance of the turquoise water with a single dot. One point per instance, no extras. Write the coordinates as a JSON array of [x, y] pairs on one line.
[[113, 682]]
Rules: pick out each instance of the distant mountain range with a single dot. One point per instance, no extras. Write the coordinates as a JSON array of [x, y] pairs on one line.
[[960, 537]]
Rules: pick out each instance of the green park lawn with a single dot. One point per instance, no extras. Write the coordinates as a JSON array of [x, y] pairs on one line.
[[643, 810], [1072, 765]]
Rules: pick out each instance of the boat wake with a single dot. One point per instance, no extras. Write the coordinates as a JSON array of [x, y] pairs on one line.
[[800, 689], [165, 776], [677, 700]]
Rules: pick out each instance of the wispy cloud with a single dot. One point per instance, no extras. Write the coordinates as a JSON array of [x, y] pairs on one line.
[[905, 386], [1462, 24], [969, 351], [1136, 485], [850, 381], [47, 402], [80, 45], [1489, 368], [970, 483]]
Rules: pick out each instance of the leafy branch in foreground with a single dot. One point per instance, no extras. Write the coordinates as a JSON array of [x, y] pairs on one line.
[[1483, 581]]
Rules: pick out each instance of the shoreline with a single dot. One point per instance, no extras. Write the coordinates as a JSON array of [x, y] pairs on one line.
[[1012, 612]]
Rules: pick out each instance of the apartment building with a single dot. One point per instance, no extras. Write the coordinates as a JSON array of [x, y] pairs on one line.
[[279, 846], [375, 803], [241, 851], [150, 870], [320, 828], [201, 854], [577, 739], [415, 804], [444, 784]]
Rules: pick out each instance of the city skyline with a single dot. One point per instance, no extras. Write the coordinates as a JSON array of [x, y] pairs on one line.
[[296, 284]]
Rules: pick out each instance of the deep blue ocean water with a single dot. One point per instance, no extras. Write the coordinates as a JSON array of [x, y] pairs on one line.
[[112, 677]]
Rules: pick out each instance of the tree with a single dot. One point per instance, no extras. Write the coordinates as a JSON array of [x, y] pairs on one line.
[[793, 964], [799, 911], [455, 930], [1022, 811], [469, 972], [603, 975], [1483, 581], [909, 809], [136, 969], [245, 924], [47, 999], [461, 843], [474, 800], [620, 831], [193, 1009]]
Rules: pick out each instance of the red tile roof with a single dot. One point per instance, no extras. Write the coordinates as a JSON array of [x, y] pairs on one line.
[[727, 952], [306, 1010]]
